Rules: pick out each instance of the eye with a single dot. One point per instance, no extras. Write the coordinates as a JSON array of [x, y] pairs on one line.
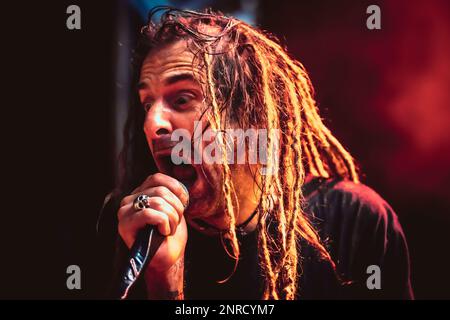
[[182, 100], [147, 105]]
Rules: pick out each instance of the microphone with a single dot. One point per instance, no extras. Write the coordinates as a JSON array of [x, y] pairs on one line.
[[148, 241]]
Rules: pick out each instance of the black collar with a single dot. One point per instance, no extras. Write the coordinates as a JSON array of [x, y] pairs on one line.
[[240, 229]]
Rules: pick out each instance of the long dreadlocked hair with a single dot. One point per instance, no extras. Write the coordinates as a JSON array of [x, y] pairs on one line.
[[252, 81]]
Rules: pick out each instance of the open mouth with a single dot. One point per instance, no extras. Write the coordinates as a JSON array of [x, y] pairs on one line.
[[185, 173]]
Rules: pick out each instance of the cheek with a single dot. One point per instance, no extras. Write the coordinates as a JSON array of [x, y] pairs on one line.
[[148, 138], [208, 188], [188, 119], [212, 173], [246, 180], [207, 199]]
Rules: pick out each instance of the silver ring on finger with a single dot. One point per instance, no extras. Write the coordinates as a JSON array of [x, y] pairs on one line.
[[141, 202]]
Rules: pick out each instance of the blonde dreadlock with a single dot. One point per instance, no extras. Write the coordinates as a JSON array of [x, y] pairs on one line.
[[251, 80]]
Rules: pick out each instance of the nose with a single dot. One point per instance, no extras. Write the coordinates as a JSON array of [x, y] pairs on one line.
[[157, 121]]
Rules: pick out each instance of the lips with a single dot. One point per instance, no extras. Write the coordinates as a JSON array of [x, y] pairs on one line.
[[185, 173]]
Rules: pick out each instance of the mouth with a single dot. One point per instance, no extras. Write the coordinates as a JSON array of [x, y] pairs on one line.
[[185, 173]]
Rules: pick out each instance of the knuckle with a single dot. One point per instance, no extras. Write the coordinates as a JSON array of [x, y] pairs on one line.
[[175, 220], [166, 219], [147, 212], [161, 191], [157, 176], [152, 215], [156, 218], [157, 203], [173, 217]]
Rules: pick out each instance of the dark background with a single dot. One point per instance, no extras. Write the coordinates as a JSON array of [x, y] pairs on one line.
[[384, 93]]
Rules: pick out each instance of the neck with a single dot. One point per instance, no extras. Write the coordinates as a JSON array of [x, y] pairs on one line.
[[243, 228]]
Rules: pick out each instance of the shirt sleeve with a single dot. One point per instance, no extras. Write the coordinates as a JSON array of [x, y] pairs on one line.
[[365, 240]]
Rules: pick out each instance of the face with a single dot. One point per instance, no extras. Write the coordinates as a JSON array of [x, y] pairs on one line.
[[172, 99]]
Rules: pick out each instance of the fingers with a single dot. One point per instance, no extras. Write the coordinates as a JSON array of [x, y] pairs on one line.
[[160, 179], [167, 201], [167, 195], [160, 205], [160, 214], [161, 192], [131, 224], [153, 217], [156, 204]]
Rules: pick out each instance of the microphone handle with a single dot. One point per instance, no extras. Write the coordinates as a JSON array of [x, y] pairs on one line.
[[147, 242]]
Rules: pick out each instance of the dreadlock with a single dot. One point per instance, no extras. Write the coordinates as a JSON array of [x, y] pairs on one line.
[[251, 80]]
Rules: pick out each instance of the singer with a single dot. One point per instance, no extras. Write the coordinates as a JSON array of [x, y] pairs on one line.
[[307, 230]]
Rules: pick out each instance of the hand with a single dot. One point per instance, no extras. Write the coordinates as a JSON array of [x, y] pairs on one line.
[[166, 207]]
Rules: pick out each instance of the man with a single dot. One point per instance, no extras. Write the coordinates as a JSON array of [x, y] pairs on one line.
[[302, 228]]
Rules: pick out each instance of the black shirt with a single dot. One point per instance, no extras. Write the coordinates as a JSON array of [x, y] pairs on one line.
[[359, 229]]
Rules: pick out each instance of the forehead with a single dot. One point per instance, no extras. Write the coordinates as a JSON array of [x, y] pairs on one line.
[[167, 61]]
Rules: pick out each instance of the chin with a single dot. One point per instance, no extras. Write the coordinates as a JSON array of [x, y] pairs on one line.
[[202, 205], [209, 208]]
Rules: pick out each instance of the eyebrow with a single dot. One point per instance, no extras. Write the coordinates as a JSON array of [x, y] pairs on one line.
[[170, 80], [179, 77]]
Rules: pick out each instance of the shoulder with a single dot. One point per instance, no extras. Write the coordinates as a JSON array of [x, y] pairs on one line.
[[349, 201], [355, 222], [361, 194], [360, 229]]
